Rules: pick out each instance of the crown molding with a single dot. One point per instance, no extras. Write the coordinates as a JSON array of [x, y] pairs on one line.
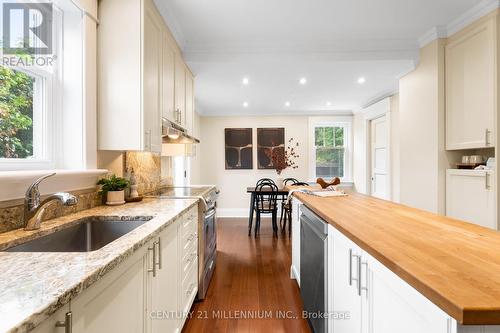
[[475, 13], [481, 9], [433, 34]]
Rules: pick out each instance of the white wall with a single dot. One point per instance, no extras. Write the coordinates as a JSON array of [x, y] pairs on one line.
[[361, 155], [421, 110], [234, 201], [395, 150]]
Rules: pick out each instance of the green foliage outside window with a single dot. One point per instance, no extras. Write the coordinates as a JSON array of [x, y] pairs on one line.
[[329, 142], [16, 114]]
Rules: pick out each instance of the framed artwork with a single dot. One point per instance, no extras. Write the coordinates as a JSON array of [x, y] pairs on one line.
[[239, 148], [269, 141]]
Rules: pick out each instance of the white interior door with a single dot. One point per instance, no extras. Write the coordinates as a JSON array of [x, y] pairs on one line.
[[379, 158]]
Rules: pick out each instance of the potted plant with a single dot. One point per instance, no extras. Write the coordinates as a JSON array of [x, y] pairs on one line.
[[283, 158], [114, 188]]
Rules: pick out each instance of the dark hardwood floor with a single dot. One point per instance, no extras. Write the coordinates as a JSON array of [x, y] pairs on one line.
[[252, 278]]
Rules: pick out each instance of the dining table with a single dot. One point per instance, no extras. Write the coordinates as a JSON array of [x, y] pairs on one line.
[[282, 192]]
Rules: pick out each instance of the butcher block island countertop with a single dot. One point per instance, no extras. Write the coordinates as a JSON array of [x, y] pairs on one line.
[[454, 264]]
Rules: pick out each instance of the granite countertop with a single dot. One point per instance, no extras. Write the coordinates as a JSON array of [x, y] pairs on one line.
[[33, 286]]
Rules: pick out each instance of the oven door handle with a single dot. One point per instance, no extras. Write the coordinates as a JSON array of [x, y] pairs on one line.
[[210, 213]]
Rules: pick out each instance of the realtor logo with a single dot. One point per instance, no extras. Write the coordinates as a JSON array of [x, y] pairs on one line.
[[27, 28]]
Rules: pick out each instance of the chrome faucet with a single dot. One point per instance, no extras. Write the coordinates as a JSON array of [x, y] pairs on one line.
[[34, 209]]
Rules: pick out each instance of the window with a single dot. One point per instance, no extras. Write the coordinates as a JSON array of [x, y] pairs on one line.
[[330, 149], [41, 95], [21, 114]]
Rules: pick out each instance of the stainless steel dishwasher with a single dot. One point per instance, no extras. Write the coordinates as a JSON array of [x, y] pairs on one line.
[[314, 269]]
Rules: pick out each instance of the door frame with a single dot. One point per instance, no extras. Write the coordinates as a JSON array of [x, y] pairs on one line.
[[378, 110]]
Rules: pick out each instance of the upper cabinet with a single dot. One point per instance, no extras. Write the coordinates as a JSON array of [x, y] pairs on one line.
[[141, 76], [471, 95], [189, 118]]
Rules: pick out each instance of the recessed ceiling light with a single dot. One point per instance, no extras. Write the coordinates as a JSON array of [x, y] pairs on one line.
[[328, 103], [287, 103], [361, 80], [245, 104], [303, 81], [245, 81]]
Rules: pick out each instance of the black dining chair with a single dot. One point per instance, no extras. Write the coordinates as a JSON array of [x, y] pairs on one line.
[[259, 182], [266, 202], [264, 181], [286, 181], [286, 212]]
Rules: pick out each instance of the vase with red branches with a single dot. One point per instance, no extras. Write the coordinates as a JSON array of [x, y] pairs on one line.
[[283, 158]]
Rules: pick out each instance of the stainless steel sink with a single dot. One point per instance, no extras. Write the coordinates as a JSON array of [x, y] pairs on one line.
[[90, 234]]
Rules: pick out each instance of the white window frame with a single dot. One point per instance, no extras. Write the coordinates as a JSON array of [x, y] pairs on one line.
[[49, 100], [341, 121]]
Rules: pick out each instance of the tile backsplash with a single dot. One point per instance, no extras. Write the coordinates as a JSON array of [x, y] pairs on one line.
[[147, 167], [11, 212]]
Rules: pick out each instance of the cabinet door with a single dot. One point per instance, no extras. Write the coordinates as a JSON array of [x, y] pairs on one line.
[[470, 88], [394, 306], [49, 325], [346, 299], [189, 102], [470, 196], [168, 79], [164, 285], [117, 302], [152, 78], [295, 269], [180, 90]]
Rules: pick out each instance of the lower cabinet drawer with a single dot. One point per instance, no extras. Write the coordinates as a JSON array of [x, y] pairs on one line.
[[189, 260], [189, 287], [189, 222]]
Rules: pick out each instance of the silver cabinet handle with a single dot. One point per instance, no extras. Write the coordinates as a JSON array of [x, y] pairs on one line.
[[487, 133], [152, 270], [365, 288], [351, 278], [159, 252], [67, 323], [487, 184], [191, 288]]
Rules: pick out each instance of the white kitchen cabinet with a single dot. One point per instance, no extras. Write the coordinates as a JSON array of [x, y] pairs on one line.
[[164, 299], [189, 118], [395, 306], [49, 325], [470, 196], [188, 264], [471, 95], [295, 269], [180, 91], [369, 298], [129, 74], [116, 303], [168, 78], [147, 292], [346, 298]]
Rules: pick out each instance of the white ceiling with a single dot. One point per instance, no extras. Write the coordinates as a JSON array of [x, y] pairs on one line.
[[276, 42]]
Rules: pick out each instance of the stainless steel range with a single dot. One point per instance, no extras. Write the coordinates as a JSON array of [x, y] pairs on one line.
[[207, 223]]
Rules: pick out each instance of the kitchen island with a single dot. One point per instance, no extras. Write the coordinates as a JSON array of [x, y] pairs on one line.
[[453, 264]]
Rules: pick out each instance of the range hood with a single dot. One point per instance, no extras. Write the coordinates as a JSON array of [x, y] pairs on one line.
[[174, 134]]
